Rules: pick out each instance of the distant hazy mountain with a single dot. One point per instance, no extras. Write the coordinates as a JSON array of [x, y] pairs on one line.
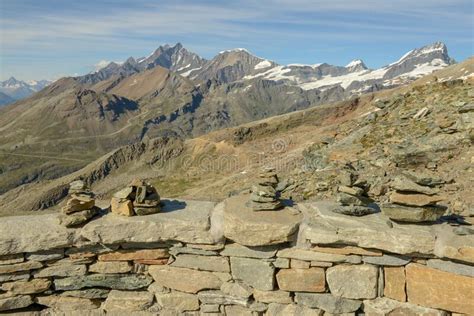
[[18, 89], [5, 99]]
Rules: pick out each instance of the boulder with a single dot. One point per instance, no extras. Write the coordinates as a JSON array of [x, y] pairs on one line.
[[363, 281], [14, 276], [452, 246], [185, 280], [258, 274], [438, 289], [354, 210], [302, 280], [408, 214], [382, 306], [77, 203], [128, 301], [249, 228], [328, 302]]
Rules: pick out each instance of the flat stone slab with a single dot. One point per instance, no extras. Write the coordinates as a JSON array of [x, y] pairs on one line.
[[33, 233], [251, 228], [186, 221], [323, 227]]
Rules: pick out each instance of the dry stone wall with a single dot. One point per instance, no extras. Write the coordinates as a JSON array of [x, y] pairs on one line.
[[198, 258]]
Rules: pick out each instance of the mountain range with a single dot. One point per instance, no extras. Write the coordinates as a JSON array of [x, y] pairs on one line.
[[12, 89], [174, 92]]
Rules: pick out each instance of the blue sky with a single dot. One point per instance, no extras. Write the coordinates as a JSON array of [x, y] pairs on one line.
[[53, 38]]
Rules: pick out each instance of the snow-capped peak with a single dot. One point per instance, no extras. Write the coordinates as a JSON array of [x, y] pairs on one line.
[[234, 50], [355, 62]]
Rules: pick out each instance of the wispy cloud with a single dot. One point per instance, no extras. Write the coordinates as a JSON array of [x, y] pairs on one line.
[[85, 32]]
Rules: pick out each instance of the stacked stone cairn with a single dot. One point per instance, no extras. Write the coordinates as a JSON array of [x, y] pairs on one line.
[[80, 207], [139, 198], [264, 196], [353, 201], [413, 200]]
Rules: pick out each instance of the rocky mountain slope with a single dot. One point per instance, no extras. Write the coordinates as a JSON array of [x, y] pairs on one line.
[[18, 89], [426, 126], [173, 93]]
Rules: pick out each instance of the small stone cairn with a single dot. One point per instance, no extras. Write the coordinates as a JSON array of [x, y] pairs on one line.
[[414, 200], [353, 201], [139, 198], [80, 207], [264, 196]]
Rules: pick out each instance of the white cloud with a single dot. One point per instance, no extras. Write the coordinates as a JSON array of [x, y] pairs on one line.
[[101, 64]]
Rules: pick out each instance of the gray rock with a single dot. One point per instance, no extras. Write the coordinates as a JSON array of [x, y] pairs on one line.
[[207, 263], [124, 193], [282, 263], [63, 270], [178, 301], [452, 267], [463, 231], [46, 255], [275, 309], [354, 210], [189, 224], [14, 276], [324, 227], [328, 302], [385, 306], [23, 266], [12, 259], [310, 255], [15, 302], [249, 228], [236, 289], [348, 199], [116, 282], [403, 184], [184, 280], [210, 308], [256, 273], [236, 250], [409, 214], [87, 293], [77, 218], [363, 282], [387, 260], [128, 301], [218, 297], [466, 108], [33, 237], [178, 250]]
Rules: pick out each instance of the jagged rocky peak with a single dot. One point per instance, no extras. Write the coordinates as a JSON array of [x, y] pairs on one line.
[[356, 65]]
